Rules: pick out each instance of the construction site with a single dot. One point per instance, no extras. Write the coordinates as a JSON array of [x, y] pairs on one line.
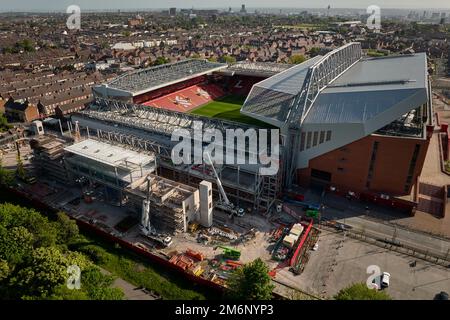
[[114, 172]]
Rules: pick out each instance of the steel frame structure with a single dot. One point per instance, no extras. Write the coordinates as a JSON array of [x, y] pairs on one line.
[[319, 76], [154, 76], [154, 121]]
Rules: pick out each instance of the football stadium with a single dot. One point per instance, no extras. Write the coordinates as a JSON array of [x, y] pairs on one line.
[[341, 116]]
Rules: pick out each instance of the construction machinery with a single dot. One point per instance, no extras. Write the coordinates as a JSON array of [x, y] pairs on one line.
[[146, 228], [224, 203], [230, 253]]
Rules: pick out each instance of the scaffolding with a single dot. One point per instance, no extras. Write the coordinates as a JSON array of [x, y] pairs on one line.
[[169, 202], [145, 128], [48, 158]]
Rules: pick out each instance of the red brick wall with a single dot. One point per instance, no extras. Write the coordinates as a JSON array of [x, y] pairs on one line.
[[390, 168]]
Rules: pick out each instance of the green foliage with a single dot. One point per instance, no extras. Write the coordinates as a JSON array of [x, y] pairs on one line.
[[20, 170], [47, 269], [34, 258], [375, 53], [15, 244], [98, 285], [297, 59], [6, 176], [227, 59], [160, 61], [360, 291], [44, 231], [251, 282], [139, 273], [4, 125], [67, 228], [314, 51], [4, 269]]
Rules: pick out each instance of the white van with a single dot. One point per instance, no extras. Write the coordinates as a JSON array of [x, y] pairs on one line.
[[385, 279]]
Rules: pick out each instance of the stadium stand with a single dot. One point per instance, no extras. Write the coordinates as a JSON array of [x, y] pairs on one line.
[[189, 98]]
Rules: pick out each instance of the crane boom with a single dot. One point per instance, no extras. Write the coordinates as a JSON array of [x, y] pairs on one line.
[[219, 183]]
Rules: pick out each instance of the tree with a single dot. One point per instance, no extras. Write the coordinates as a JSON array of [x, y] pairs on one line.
[[6, 176], [15, 244], [98, 285], [251, 282], [160, 60], [4, 125], [360, 291], [228, 59], [34, 259], [20, 170], [297, 59], [94, 286], [44, 232], [46, 270], [67, 228], [314, 51], [4, 269]]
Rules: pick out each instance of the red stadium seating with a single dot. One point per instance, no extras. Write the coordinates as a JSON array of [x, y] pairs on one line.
[[187, 99]]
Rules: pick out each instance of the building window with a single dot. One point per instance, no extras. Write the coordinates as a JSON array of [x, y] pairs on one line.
[[315, 138], [328, 135], [308, 140], [322, 137], [302, 141], [372, 163]]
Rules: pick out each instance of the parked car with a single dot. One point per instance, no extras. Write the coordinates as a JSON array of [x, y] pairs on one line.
[[385, 279]]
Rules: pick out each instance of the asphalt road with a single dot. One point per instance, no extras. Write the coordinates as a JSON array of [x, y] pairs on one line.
[[385, 230]]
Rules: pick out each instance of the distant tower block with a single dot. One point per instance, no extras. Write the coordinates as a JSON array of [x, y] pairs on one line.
[[206, 204]]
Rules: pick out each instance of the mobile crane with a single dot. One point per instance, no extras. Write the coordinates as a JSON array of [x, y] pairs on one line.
[[224, 203], [146, 228]]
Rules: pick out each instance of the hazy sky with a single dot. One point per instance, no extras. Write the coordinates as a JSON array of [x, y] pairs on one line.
[[60, 5]]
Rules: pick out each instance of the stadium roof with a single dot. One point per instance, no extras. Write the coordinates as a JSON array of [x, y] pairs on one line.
[[142, 81], [382, 89], [258, 69], [271, 99], [370, 88]]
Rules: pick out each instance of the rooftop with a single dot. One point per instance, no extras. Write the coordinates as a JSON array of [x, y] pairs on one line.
[[141, 81], [370, 88], [371, 91], [262, 69], [270, 100], [111, 155]]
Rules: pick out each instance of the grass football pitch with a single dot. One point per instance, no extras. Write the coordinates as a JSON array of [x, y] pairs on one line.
[[227, 108]]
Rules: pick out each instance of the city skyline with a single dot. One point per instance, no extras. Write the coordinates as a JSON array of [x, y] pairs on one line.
[[47, 5]]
